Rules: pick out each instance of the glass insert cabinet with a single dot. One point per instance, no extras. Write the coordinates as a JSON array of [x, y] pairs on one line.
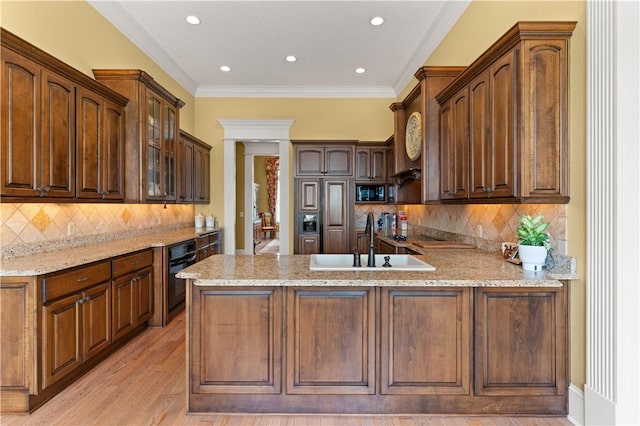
[[153, 120], [161, 150]]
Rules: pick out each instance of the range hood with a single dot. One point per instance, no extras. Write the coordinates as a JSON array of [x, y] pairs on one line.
[[405, 176]]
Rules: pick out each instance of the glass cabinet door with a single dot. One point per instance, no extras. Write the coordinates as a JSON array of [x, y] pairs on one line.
[[170, 142], [154, 147]]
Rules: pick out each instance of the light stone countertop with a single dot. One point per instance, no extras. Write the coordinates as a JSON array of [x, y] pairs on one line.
[[454, 267], [64, 258]]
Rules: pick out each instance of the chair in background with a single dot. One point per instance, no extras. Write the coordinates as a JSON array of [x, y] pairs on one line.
[[267, 224]]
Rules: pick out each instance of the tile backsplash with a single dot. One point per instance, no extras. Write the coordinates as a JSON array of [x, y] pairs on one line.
[[493, 223], [36, 223]]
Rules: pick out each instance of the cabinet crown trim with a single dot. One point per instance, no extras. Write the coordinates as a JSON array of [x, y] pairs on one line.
[[523, 30], [28, 50], [143, 77]]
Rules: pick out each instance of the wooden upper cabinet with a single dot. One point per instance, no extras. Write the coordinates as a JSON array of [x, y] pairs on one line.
[[492, 127], [454, 147], [193, 170], [100, 136], [152, 127], [517, 121], [38, 146], [330, 159], [422, 99], [60, 138], [371, 163]]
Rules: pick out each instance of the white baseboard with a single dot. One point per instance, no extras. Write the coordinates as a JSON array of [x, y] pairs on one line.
[[576, 405], [598, 410]]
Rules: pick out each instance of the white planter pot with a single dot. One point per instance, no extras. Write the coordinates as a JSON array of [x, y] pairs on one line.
[[533, 257]]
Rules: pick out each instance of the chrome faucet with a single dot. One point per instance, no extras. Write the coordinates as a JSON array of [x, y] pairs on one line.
[[371, 262]]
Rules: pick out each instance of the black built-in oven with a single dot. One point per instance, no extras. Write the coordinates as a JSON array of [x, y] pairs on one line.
[[179, 257]]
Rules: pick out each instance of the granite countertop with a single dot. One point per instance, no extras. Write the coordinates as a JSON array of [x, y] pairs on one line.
[[41, 263], [454, 267]]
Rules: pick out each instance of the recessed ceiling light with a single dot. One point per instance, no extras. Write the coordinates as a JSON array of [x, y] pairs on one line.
[[360, 70], [378, 20], [291, 58], [225, 68], [193, 20]]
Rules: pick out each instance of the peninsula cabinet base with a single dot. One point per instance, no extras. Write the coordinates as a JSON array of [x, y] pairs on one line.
[[376, 404], [377, 350]]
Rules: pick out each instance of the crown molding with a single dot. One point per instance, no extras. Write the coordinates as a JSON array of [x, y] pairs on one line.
[[222, 91], [123, 21]]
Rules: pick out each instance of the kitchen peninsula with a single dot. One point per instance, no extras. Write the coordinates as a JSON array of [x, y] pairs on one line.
[[477, 335]]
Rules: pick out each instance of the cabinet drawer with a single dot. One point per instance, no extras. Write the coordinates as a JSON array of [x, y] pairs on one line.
[[132, 262], [69, 282]]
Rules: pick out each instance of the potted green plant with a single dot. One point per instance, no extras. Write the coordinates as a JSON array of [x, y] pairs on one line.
[[533, 242]]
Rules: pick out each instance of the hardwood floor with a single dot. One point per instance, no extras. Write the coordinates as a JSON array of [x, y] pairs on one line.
[[144, 384]]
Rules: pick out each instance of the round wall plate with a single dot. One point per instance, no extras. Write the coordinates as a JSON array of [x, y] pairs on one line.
[[413, 136]]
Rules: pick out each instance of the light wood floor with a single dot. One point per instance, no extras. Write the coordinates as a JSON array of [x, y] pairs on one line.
[[144, 384]]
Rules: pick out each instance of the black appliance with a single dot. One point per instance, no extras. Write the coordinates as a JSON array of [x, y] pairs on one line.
[[371, 193], [179, 257]]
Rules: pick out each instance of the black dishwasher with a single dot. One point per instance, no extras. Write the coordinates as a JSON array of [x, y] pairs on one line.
[[180, 256]]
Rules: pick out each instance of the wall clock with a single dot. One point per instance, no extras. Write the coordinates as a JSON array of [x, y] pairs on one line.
[[413, 136]]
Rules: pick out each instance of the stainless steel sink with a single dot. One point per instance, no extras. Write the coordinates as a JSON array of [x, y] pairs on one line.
[[344, 262]]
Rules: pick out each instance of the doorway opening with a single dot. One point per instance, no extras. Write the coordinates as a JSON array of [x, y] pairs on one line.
[[255, 135]]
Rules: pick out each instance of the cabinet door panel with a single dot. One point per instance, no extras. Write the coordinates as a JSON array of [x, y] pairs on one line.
[[309, 195], [186, 161], [338, 161], [89, 135], [520, 342], [502, 105], [362, 164], [58, 136], [123, 307], [308, 244], [425, 341], [20, 125], [113, 173], [331, 345], [336, 216], [144, 296], [454, 133], [309, 161], [545, 171], [480, 151], [378, 164], [61, 339], [236, 342], [96, 320]]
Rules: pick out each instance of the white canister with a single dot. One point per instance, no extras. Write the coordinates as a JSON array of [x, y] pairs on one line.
[[199, 221], [211, 222]]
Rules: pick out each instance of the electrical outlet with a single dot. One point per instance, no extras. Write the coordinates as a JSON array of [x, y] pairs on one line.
[[479, 231], [71, 229]]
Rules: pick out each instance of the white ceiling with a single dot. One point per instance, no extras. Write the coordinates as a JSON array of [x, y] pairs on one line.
[[330, 38]]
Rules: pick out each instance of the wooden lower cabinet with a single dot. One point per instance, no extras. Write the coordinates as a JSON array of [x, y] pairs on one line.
[[241, 348], [426, 341], [521, 342], [75, 329], [308, 244], [132, 301], [331, 341], [448, 350]]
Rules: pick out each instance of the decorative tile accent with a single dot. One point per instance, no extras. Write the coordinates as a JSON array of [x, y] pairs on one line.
[[41, 221]]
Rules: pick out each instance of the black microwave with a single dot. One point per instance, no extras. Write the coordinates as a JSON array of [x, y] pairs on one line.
[[371, 193]]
